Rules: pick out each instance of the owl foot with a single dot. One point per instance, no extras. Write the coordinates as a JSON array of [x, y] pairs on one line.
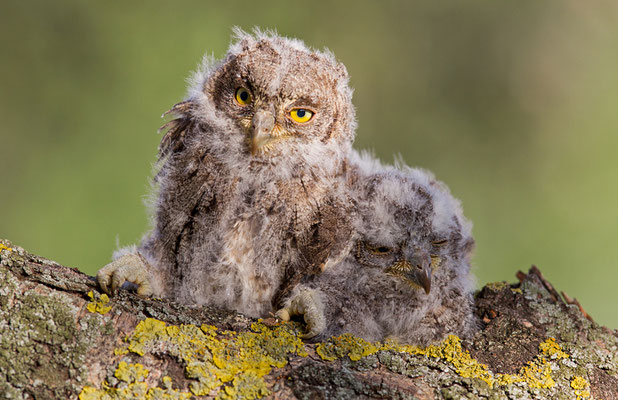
[[308, 304], [128, 268]]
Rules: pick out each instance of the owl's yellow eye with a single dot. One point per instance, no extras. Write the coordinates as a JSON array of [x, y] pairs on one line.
[[301, 115], [243, 96]]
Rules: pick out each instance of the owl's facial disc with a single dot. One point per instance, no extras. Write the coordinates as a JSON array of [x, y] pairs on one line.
[[415, 272]]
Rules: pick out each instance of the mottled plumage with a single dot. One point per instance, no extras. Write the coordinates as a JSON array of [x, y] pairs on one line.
[[407, 274], [247, 193]]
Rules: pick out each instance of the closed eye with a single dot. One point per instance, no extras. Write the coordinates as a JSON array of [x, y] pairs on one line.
[[379, 250], [439, 243]]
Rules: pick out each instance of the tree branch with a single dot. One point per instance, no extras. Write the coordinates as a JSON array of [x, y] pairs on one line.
[[61, 338]]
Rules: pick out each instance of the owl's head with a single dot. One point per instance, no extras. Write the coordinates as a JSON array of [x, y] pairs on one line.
[[408, 225], [271, 97]]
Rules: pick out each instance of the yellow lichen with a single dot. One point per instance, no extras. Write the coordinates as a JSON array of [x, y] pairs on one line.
[[466, 366], [537, 374], [120, 352], [247, 386], [580, 385], [553, 349], [90, 393], [345, 345], [147, 330], [231, 364], [497, 286], [134, 376], [449, 350], [98, 306], [3, 247], [131, 372], [228, 363]]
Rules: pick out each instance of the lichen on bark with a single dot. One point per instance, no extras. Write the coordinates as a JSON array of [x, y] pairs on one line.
[[59, 338], [42, 351]]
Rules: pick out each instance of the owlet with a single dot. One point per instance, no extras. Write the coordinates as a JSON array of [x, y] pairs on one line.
[[247, 193], [407, 275]]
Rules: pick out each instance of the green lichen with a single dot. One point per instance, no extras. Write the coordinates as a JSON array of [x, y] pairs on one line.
[[227, 363], [98, 306], [11, 255], [41, 346]]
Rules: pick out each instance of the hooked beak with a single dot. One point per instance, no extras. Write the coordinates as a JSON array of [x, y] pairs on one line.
[[421, 275], [417, 271], [261, 130]]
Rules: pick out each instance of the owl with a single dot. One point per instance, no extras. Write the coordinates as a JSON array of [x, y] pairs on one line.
[[407, 275], [247, 192]]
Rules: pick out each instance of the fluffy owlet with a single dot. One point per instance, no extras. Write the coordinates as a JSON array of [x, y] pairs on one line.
[[247, 191], [407, 275]]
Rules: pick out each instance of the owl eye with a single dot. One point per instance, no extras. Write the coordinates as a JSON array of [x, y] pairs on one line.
[[301, 115], [379, 250], [243, 96], [439, 243]]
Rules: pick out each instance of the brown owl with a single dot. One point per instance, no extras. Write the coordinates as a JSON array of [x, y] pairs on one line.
[[248, 194], [407, 275]]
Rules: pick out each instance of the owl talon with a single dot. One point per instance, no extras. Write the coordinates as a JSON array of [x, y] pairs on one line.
[[128, 268], [283, 314], [308, 304]]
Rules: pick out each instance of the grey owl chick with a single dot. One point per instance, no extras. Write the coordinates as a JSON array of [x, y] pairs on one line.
[[407, 275], [247, 193]]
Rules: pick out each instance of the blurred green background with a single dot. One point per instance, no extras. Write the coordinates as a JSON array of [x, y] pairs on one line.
[[514, 104]]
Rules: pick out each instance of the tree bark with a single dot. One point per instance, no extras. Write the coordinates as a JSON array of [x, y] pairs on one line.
[[61, 338]]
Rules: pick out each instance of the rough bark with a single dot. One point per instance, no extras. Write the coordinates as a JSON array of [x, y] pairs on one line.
[[60, 338]]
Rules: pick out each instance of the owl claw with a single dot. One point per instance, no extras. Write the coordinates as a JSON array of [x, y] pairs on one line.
[[308, 304], [128, 268], [283, 314]]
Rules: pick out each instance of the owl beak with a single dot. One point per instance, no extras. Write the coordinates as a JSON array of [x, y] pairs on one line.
[[261, 128], [424, 278], [420, 273]]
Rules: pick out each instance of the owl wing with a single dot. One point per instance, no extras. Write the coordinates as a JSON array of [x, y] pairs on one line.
[[175, 129], [322, 244]]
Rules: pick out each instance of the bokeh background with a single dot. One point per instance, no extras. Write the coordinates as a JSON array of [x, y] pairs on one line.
[[514, 104]]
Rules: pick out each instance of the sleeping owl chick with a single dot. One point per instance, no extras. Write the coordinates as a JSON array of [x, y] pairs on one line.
[[407, 276], [247, 191]]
